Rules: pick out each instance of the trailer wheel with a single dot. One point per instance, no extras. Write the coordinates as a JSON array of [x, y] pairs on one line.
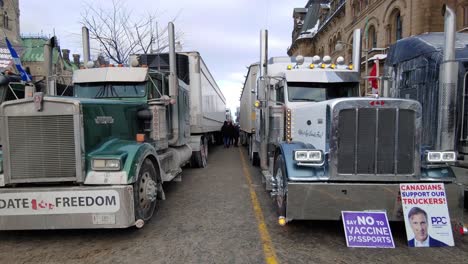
[[282, 185], [145, 191], [199, 157]]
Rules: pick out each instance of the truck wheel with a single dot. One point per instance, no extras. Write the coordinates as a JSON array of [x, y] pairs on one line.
[[145, 191], [282, 185], [199, 157], [254, 157]]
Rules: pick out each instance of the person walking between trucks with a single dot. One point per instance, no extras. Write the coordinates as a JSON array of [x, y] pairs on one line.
[[236, 134], [225, 133]]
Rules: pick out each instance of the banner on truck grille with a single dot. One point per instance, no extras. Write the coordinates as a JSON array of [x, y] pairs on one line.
[[427, 219], [67, 202], [367, 229]]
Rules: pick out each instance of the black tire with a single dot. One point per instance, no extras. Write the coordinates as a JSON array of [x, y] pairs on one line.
[[253, 156], [255, 159], [282, 183], [199, 158], [145, 191]]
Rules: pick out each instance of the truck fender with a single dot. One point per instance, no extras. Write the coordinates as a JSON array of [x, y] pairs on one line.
[[131, 153]]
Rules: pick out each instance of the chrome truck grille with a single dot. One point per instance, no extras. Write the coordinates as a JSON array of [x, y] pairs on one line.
[[376, 141], [41, 147]]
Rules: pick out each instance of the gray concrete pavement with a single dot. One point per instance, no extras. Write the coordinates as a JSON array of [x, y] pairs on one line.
[[209, 218]]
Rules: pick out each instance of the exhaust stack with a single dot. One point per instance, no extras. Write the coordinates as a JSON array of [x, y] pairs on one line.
[[48, 48], [263, 95], [85, 39], [357, 50], [173, 86], [448, 77]]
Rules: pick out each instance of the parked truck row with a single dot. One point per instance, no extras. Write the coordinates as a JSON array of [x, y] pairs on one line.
[[99, 159]]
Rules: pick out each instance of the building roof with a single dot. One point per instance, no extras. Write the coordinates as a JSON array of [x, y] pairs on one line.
[[34, 52], [34, 49]]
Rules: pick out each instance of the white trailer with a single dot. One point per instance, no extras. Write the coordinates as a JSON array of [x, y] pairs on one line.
[[247, 110], [207, 102]]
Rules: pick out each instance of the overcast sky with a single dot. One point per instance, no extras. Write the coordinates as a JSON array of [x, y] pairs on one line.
[[226, 33]]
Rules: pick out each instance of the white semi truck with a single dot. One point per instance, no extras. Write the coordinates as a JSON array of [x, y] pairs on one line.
[[323, 150]]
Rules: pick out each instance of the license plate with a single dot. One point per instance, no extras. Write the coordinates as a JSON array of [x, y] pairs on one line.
[[103, 219]]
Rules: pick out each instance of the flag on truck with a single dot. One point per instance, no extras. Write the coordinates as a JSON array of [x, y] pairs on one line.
[[374, 82], [17, 61]]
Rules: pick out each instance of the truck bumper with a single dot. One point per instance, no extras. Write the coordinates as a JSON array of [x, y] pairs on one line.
[[325, 201], [67, 207]]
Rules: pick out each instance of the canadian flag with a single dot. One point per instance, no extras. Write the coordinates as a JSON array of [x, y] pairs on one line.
[[374, 82]]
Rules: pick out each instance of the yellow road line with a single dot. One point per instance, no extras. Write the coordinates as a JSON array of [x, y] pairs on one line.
[[268, 249]]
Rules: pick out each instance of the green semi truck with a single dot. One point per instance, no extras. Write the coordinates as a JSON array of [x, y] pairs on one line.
[[75, 162]]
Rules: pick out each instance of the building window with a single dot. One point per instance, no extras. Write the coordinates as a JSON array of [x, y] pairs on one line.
[[398, 26], [372, 38], [5, 20], [465, 16]]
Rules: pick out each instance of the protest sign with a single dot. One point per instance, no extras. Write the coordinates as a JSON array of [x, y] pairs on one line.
[[367, 229], [427, 219]]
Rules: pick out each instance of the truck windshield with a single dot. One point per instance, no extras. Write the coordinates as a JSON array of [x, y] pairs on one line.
[[316, 92], [109, 90]]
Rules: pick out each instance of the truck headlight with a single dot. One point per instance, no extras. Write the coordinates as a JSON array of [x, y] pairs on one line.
[[106, 164], [441, 156], [308, 155]]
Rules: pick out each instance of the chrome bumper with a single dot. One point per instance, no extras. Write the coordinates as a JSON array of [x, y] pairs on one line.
[[66, 207], [325, 201]]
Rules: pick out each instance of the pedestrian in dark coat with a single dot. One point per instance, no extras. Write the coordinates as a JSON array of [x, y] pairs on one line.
[[225, 133], [236, 135], [231, 133]]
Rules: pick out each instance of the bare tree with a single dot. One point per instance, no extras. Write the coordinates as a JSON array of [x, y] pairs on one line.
[[120, 35]]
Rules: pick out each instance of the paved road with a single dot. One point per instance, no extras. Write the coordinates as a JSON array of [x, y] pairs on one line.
[[219, 214]]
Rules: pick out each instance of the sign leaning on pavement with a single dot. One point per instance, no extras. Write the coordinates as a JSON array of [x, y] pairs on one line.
[[427, 219], [367, 229]]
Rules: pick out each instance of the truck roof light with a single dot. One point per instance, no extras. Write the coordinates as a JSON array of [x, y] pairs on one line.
[[350, 67], [120, 65], [327, 59], [316, 59], [311, 66], [257, 104], [323, 66], [289, 67], [340, 60], [102, 66], [333, 66], [111, 65], [140, 138]]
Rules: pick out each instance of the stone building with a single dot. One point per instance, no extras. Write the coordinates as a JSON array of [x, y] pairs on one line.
[[324, 23], [9, 23]]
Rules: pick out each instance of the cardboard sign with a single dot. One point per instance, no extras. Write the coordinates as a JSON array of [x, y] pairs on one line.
[[427, 219], [367, 229]]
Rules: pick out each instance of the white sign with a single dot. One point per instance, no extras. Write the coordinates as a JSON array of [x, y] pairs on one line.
[[5, 58], [68, 202], [426, 215]]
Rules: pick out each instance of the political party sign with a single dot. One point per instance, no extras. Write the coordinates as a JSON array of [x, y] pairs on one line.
[[426, 215], [367, 229]]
